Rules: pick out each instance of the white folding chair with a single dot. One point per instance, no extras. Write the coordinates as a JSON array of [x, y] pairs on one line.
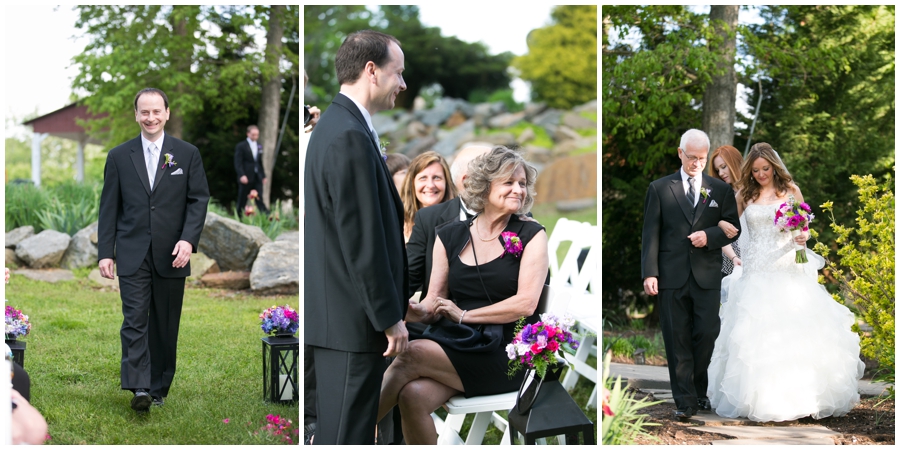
[[485, 407]]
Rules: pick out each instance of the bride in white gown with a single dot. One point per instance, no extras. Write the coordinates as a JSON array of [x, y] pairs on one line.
[[785, 349]]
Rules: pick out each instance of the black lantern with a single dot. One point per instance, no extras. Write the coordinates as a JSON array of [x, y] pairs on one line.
[[639, 356], [18, 351], [280, 368], [553, 413]]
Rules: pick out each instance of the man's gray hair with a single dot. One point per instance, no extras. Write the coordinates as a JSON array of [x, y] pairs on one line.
[[694, 135]]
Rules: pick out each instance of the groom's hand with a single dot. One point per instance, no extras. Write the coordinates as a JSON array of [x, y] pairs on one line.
[[698, 238], [108, 268], [651, 286], [182, 254], [398, 339]]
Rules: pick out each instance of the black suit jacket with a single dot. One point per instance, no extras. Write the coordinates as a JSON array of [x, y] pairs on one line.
[[244, 164], [420, 247], [355, 267], [666, 251], [133, 217]]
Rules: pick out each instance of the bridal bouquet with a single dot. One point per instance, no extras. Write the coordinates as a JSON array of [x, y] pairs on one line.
[[17, 324], [794, 218], [280, 320], [535, 345]]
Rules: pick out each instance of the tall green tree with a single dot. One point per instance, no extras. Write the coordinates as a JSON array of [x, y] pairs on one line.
[[460, 68], [561, 63]]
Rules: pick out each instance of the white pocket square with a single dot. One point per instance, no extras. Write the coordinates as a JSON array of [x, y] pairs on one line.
[[712, 203], [177, 172]]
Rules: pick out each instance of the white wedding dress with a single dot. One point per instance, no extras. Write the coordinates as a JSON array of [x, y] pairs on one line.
[[785, 349]]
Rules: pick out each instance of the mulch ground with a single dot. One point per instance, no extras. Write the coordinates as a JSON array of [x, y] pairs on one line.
[[869, 423]]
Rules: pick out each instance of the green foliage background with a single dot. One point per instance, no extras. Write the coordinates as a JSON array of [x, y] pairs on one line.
[[827, 75]]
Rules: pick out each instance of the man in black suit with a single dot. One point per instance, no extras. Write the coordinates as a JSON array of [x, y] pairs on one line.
[[355, 275], [681, 260], [152, 210], [249, 168]]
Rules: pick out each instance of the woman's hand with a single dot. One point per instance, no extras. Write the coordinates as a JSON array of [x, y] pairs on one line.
[[802, 238], [448, 309], [729, 229], [737, 261], [418, 312]]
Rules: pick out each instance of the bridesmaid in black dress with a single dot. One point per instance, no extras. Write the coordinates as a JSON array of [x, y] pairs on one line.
[[493, 293]]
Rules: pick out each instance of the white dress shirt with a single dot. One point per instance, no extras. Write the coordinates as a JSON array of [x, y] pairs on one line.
[[698, 181], [152, 165]]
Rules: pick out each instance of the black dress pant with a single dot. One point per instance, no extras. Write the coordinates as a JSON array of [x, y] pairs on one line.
[[244, 191], [309, 385], [348, 386], [151, 306], [689, 317]]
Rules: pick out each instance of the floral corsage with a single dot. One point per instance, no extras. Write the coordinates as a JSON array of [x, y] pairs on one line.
[[170, 161], [512, 244], [704, 192]]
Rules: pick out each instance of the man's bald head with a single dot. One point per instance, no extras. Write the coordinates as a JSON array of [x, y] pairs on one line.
[[460, 165]]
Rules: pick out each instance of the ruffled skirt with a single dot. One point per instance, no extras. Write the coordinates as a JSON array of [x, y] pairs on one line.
[[785, 351]]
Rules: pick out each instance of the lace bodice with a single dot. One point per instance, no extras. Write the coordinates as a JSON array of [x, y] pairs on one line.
[[764, 247]]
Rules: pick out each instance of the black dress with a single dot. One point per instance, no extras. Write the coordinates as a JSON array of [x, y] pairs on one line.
[[484, 373]]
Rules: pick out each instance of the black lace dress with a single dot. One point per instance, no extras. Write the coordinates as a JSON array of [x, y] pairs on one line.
[[484, 373]]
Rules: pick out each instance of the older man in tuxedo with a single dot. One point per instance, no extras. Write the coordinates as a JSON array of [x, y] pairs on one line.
[[152, 211], [681, 260], [355, 271], [249, 168]]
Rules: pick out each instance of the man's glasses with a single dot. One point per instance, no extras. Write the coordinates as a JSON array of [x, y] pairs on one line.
[[694, 159]]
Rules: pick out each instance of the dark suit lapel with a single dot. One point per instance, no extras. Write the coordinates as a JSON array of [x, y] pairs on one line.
[[345, 101], [451, 213], [701, 205], [161, 171], [678, 191], [137, 158]]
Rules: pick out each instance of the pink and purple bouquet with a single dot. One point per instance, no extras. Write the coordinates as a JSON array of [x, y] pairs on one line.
[[17, 324], [535, 345], [794, 218], [280, 320]]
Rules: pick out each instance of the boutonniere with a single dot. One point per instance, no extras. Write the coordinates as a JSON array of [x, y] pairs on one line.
[[258, 146], [383, 145], [704, 192], [512, 244], [170, 161]]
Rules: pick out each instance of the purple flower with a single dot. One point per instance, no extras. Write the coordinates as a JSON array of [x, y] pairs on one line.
[[512, 244]]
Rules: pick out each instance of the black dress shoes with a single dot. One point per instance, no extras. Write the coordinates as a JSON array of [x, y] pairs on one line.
[[141, 400], [157, 400], [684, 414], [704, 404]]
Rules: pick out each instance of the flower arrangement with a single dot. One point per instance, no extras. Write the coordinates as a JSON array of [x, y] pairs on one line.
[[17, 324], [794, 218], [277, 428], [704, 192], [170, 161], [512, 244], [535, 345], [280, 319]]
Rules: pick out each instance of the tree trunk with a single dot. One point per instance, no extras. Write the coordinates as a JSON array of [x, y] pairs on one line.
[[181, 63], [271, 97], [720, 95]]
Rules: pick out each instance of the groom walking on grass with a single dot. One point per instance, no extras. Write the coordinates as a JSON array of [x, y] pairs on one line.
[[681, 260], [152, 210]]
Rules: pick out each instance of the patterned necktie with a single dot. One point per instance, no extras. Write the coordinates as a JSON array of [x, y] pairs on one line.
[[690, 192], [152, 160]]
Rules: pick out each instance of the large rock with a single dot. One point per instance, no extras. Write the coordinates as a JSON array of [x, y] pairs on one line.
[[277, 269], [568, 178], [453, 139], [418, 146], [232, 244], [95, 277], [202, 265], [227, 280], [292, 236], [577, 121], [549, 120], [590, 106], [506, 120], [44, 249], [47, 275], [82, 252], [18, 235], [484, 111], [533, 109], [503, 138], [444, 109], [12, 261]]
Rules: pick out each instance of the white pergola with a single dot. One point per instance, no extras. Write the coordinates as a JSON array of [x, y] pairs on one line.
[[60, 123]]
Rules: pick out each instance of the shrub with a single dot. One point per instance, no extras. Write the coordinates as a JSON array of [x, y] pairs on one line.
[[23, 202], [865, 269], [621, 423], [72, 207]]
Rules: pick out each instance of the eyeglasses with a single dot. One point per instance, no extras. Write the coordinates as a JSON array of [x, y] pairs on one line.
[[694, 159]]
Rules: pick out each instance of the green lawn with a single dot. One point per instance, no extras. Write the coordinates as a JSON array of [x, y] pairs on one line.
[[73, 358]]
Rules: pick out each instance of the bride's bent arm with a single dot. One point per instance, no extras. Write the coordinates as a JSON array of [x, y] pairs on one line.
[[437, 288], [532, 273], [716, 238]]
